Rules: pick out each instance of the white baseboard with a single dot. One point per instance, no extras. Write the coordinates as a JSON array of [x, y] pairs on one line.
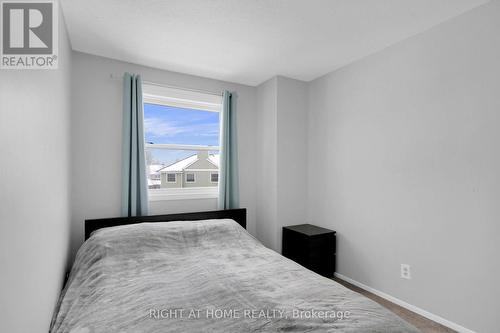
[[408, 306]]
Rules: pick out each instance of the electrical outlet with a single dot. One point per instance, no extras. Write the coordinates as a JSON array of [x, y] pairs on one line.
[[405, 271]]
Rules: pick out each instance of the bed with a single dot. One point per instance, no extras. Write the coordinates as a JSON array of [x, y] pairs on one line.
[[202, 272]]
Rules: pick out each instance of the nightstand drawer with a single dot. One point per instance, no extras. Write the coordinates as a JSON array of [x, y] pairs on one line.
[[325, 243]]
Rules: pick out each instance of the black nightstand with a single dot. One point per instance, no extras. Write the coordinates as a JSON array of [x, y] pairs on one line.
[[310, 246]]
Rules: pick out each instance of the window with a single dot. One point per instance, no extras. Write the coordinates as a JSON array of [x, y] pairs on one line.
[[190, 178], [181, 130], [214, 177]]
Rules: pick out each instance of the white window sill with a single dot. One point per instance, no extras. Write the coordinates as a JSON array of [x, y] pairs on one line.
[[183, 193]]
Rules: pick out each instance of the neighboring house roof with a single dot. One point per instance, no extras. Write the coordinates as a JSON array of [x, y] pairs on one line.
[[181, 165]]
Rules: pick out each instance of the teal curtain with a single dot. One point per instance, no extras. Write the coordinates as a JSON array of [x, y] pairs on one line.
[[228, 168], [134, 179]]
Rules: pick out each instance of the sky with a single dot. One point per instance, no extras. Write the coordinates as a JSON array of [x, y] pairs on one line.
[[167, 124]]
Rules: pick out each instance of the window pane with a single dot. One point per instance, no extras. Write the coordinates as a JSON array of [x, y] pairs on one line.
[[190, 177], [214, 177], [167, 124]]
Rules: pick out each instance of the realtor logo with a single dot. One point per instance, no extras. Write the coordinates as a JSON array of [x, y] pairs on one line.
[[29, 35]]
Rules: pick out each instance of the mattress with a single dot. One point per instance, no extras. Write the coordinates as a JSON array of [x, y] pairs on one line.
[[204, 276]]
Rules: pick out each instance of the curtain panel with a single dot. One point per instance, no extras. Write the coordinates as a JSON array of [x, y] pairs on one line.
[[228, 169], [134, 178]]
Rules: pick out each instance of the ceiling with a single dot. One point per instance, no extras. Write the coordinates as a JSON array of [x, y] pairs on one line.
[[249, 41]]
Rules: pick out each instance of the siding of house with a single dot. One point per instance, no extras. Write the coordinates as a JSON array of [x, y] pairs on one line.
[[202, 178]]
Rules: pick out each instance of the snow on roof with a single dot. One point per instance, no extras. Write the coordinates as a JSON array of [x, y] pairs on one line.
[[179, 166], [215, 159], [154, 168]]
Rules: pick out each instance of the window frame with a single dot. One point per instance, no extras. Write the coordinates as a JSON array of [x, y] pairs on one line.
[[186, 193]]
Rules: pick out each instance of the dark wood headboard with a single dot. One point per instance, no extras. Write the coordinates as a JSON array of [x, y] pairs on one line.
[[239, 215]]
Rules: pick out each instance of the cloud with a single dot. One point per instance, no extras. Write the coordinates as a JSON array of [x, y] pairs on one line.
[[159, 127]]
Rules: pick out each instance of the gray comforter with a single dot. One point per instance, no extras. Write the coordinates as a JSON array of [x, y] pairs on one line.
[[204, 276]]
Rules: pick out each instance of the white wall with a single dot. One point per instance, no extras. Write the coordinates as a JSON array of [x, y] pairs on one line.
[[291, 154], [34, 191], [404, 164], [282, 157], [266, 162], [97, 131]]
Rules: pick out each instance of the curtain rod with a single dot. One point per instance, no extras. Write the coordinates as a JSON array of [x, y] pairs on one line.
[[220, 93]]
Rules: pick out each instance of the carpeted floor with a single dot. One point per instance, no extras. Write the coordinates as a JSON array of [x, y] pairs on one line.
[[423, 324]]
